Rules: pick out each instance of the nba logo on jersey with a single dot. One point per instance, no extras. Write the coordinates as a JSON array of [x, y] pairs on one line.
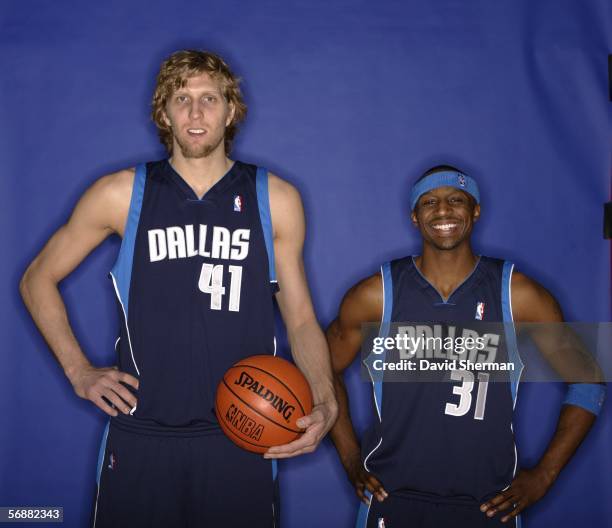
[[381, 522], [461, 179], [480, 311], [238, 203], [112, 461]]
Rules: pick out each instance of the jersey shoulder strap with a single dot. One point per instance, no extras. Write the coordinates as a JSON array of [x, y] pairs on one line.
[[263, 203]]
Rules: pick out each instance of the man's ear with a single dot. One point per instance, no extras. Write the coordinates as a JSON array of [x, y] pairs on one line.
[[230, 115], [413, 217], [476, 213], [166, 119]]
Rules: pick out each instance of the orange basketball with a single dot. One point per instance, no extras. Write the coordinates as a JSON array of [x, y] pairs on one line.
[[259, 400]]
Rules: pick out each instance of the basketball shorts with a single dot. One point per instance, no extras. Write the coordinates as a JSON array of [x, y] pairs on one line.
[[160, 480], [403, 512]]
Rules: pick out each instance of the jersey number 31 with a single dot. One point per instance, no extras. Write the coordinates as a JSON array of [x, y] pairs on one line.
[[464, 391]]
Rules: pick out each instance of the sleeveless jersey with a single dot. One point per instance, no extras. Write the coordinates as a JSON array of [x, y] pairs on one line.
[[449, 439], [194, 281]]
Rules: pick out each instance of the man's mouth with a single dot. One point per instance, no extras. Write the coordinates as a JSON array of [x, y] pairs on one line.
[[196, 131], [445, 227]]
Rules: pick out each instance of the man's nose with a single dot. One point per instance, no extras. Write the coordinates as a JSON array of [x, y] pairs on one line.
[[196, 110], [443, 207]]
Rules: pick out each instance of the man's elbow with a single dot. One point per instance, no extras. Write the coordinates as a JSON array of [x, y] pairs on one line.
[[25, 284]]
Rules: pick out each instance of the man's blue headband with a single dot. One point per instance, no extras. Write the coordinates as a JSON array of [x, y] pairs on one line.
[[444, 179]]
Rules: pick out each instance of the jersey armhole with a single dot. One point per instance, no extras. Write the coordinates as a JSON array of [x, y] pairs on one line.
[[507, 292], [265, 217], [121, 271], [385, 324], [510, 331], [387, 284]]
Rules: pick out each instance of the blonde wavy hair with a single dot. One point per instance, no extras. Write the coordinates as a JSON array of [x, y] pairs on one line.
[[173, 74]]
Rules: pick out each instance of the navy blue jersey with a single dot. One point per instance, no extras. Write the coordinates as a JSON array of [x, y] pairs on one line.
[[194, 281], [449, 440]]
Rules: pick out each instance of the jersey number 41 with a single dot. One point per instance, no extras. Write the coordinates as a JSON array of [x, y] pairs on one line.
[[211, 281]]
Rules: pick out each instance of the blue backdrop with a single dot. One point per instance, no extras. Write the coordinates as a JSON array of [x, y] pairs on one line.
[[350, 101]]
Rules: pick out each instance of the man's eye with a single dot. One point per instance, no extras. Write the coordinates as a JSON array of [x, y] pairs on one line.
[[181, 98], [457, 199], [210, 99]]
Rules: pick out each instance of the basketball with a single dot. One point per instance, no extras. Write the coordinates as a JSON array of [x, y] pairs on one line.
[[259, 400]]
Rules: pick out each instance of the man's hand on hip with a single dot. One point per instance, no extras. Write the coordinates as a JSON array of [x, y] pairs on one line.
[[100, 385]]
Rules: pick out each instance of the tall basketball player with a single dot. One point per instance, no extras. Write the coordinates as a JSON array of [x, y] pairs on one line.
[[206, 243], [435, 457]]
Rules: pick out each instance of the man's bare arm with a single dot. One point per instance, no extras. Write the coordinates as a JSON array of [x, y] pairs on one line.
[[531, 303], [101, 211], [308, 345], [362, 303]]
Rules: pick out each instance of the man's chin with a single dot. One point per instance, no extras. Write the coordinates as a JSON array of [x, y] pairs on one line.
[[202, 152], [199, 152], [446, 245]]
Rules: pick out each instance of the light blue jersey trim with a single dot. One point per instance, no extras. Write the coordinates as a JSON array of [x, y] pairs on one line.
[[122, 270], [265, 217], [377, 386], [384, 324], [511, 344], [362, 514], [101, 452], [263, 202], [385, 271]]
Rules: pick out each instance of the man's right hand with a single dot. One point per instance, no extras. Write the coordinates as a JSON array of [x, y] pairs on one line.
[[98, 384], [362, 481]]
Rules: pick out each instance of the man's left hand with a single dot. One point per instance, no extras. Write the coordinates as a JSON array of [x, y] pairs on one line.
[[529, 486], [316, 425]]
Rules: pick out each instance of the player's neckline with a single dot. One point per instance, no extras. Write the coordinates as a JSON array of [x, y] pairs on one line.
[[446, 301], [221, 184]]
